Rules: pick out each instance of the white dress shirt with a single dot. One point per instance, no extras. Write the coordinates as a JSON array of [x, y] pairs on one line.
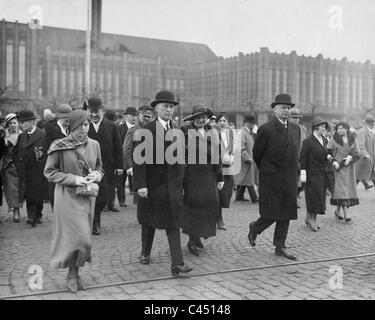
[[97, 125], [164, 123], [320, 139]]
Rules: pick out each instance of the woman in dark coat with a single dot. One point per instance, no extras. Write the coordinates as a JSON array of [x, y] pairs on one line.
[[313, 162], [202, 181], [226, 152]]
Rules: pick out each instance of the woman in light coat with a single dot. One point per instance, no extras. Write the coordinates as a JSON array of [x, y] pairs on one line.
[[227, 144], [73, 161], [343, 147]]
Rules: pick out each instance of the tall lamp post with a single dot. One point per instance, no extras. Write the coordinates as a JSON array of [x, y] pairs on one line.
[[88, 51]]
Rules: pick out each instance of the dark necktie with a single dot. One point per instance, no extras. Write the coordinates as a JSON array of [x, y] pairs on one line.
[[167, 126]]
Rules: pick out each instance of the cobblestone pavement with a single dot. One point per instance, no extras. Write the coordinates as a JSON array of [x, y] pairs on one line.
[[116, 253]]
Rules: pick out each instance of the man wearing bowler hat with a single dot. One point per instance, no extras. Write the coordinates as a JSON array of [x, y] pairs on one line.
[[159, 184], [30, 160], [130, 114], [57, 129], [276, 155], [108, 136]]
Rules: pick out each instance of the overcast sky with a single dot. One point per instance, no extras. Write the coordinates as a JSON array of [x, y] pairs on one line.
[[226, 26]]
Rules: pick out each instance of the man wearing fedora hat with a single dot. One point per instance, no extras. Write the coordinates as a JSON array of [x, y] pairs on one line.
[[245, 179], [145, 114], [160, 185], [57, 129], [364, 167], [276, 155], [108, 136], [130, 114], [30, 162]]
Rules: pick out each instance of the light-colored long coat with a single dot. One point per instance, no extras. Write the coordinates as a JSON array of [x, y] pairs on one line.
[[364, 168], [73, 214], [345, 184], [246, 175]]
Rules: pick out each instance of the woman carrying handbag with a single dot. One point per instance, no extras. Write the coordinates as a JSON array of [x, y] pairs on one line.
[[74, 165]]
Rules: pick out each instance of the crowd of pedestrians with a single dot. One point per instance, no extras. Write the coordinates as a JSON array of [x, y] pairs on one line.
[[79, 160]]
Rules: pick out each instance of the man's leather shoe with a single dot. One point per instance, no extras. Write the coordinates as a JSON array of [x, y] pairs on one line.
[[193, 249], [113, 209], [255, 201], [176, 270], [242, 199], [252, 236], [123, 204], [31, 223], [199, 245], [145, 260], [283, 253], [38, 220], [96, 230]]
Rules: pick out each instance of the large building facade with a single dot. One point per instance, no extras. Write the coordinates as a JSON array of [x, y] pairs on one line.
[[46, 65]]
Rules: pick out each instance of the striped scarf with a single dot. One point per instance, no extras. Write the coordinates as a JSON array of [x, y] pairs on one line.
[[67, 143]]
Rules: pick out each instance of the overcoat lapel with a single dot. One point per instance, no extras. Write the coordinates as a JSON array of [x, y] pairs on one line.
[[34, 137]]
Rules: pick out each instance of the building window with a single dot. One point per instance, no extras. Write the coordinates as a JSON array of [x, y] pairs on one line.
[[337, 90], [22, 67], [323, 89], [360, 92], [63, 81], [312, 87], [9, 66], [80, 80], [117, 89], [55, 80], [297, 86]]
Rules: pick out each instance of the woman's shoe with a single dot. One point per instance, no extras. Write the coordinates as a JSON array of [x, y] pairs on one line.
[[16, 215], [348, 219], [80, 285], [193, 249], [71, 283], [337, 216]]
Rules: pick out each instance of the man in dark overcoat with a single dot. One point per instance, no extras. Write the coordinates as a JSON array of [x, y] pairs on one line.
[[159, 184], [57, 129], [276, 155], [108, 136], [30, 159]]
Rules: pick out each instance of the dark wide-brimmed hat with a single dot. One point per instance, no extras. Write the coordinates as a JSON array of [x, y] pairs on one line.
[[95, 104], [26, 115], [294, 113], [199, 110], [164, 97], [344, 124], [369, 119], [63, 111], [249, 119], [132, 111], [283, 98], [317, 122], [145, 109]]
